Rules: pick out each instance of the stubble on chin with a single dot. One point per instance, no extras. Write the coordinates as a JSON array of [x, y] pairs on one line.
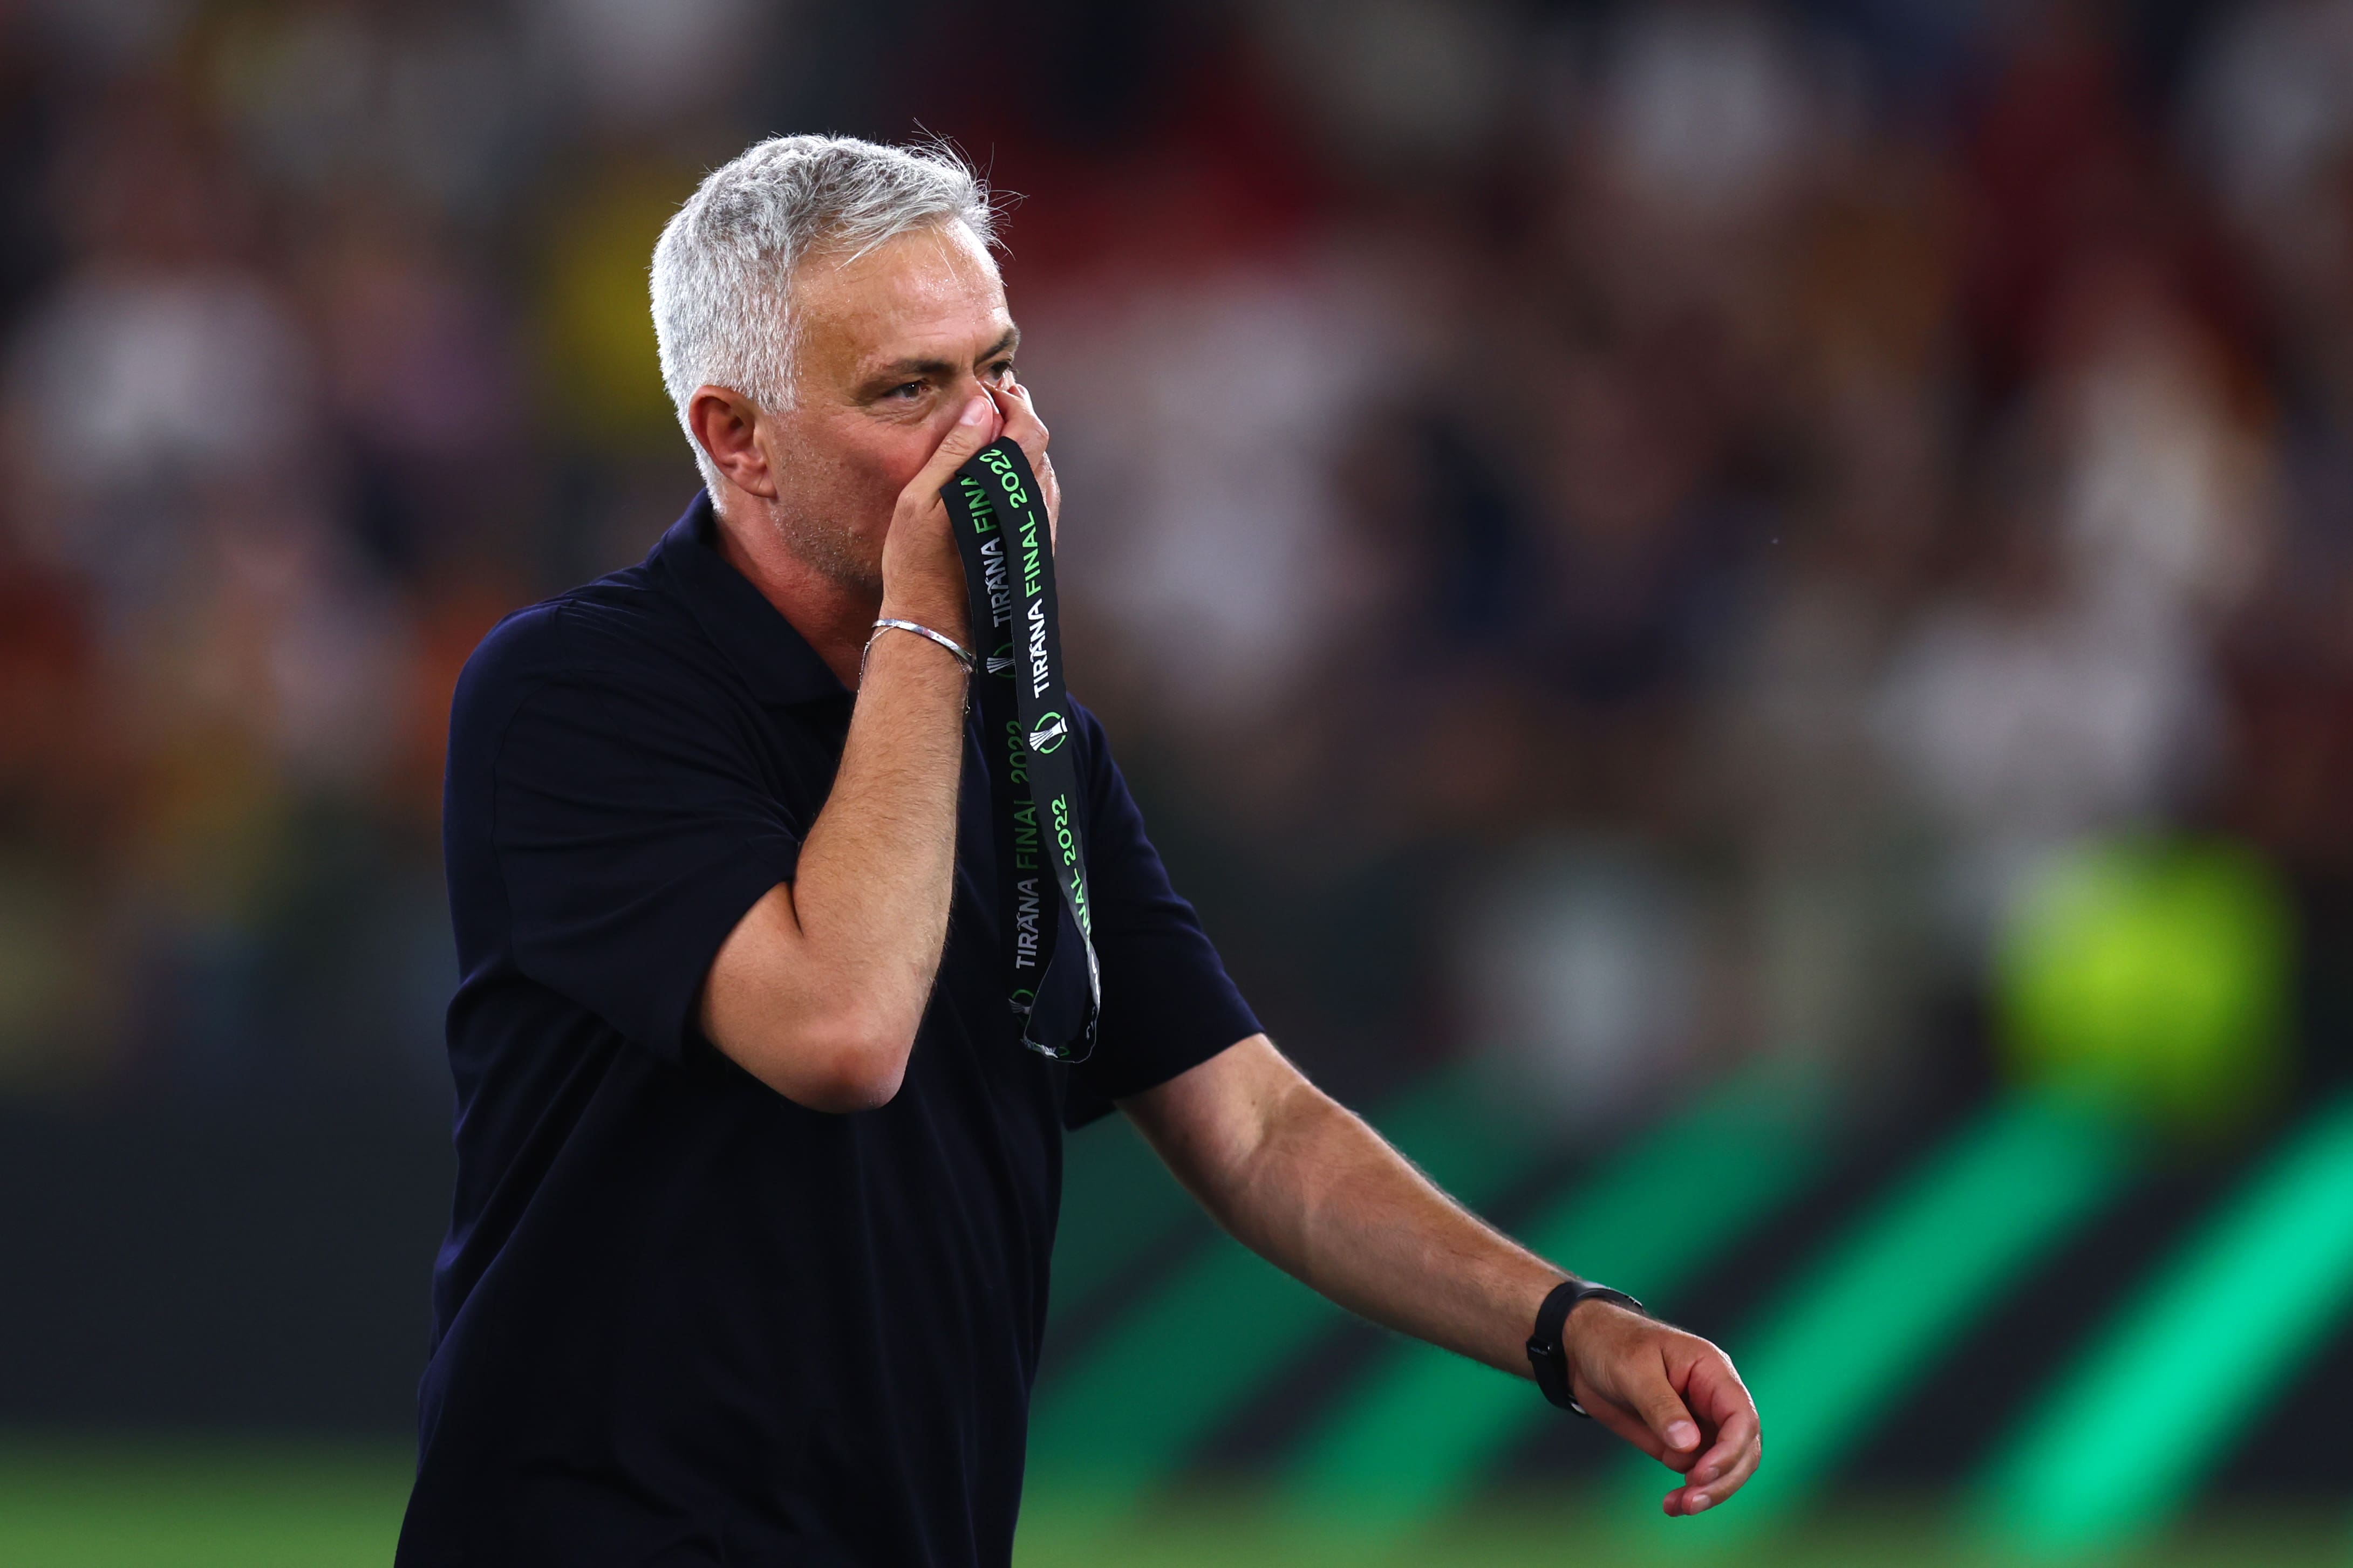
[[832, 550], [817, 536]]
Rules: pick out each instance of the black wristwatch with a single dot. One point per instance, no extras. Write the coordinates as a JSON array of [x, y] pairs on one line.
[[1544, 1354]]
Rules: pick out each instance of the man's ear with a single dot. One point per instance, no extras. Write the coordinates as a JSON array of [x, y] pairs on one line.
[[725, 423]]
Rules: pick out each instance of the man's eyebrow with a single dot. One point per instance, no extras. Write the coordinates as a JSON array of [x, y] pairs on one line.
[[910, 369]]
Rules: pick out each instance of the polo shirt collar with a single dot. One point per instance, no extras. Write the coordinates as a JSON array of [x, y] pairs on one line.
[[753, 633]]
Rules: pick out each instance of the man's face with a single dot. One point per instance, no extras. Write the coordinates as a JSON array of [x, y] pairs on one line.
[[892, 346]]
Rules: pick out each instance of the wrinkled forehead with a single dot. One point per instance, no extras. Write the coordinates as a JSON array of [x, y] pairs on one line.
[[931, 292]]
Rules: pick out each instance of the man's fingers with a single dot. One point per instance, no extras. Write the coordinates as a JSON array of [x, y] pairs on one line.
[[1696, 1497], [1735, 1475], [1733, 1444], [1713, 1389], [1674, 1396], [1663, 1412], [1021, 421], [1645, 1410], [1625, 1425], [1022, 424]]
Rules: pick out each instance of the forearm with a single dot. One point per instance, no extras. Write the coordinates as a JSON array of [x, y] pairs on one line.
[[877, 870], [1329, 1201], [819, 990], [1308, 1186]]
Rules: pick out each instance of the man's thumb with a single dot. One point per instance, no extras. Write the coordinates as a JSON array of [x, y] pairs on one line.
[[971, 432], [974, 427], [1664, 1413]]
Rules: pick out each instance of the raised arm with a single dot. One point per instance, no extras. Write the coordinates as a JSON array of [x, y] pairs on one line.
[[1309, 1186], [819, 991]]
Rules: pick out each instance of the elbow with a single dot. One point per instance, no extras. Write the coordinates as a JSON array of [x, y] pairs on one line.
[[863, 1079], [855, 1064], [799, 1024]]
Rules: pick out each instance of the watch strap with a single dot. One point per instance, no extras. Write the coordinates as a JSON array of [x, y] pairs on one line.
[[1545, 1356]]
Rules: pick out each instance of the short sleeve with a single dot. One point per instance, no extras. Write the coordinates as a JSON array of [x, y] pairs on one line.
[[632, 833], [1167, 1001]]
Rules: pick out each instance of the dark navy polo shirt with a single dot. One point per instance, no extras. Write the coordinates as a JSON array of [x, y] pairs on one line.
[[680, 1319]]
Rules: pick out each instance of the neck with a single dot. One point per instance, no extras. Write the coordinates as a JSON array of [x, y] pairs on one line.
[[834, 617]]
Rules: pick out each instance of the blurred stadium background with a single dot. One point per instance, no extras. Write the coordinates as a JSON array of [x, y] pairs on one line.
[[1739, 616]]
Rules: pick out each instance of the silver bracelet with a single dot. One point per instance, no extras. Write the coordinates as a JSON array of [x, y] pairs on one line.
[[888, 624]]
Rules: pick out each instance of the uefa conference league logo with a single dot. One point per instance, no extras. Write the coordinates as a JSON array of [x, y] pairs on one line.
[[1046, 737]]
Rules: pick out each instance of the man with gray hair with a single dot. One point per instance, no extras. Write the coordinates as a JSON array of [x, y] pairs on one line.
[[756, 1187]]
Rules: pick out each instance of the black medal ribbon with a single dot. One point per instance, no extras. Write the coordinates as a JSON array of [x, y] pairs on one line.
[[1027, 730]]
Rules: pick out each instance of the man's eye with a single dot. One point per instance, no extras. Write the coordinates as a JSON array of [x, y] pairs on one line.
[[1001, 371], [909, 390]]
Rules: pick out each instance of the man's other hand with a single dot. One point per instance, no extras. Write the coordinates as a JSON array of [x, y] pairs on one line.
[[1671, 1395]]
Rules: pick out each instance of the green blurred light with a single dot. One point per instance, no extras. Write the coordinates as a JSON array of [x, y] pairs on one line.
[[2126, 1438], [1423, 1428], [1830, 1363], [2154, 973], [1163, 1377]]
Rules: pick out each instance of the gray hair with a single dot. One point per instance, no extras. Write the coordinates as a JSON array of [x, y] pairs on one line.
[[722, 270]]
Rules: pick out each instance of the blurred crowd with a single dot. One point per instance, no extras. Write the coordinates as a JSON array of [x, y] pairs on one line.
[[1617, 539]]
